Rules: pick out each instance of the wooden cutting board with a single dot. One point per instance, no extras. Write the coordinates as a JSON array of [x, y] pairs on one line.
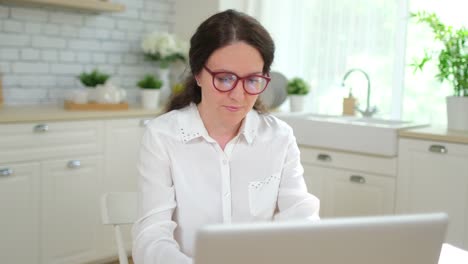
[[92, 106]]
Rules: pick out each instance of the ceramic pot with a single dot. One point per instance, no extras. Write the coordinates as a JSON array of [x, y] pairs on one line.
[[457, 113], [110, 94], [296, 103], [150, 98]]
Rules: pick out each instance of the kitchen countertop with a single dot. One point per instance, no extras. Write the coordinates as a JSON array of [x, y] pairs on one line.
[[36, 113], [435, 133]]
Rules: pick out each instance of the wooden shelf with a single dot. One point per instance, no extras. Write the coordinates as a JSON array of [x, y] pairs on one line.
[[88, 5]]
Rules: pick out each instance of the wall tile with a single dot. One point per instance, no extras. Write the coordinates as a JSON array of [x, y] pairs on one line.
[[13, 26], [29, 14], [43, 49]]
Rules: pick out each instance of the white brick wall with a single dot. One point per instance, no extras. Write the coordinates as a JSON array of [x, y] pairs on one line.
[[43, 50]]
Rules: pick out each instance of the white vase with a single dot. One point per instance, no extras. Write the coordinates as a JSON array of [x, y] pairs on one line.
[[92, 95], [150, 98], [164, 76], [296, 103], [457, 113]]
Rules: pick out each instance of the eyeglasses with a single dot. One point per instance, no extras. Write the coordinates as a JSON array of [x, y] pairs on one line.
[[226, 81]]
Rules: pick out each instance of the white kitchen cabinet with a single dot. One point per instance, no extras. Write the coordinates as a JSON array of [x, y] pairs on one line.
[[122, 146], [350, 184], [50, 203], [70, 210], [19, 204], [432, 177]]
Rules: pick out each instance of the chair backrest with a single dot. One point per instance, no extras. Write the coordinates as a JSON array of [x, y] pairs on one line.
[[119, 208]]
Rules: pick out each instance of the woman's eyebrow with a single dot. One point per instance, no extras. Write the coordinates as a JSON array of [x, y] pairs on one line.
[[248, 74]]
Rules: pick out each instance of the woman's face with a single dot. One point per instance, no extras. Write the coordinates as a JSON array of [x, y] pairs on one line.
[[232, 106]]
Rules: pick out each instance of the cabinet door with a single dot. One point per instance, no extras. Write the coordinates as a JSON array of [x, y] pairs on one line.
[[122, 146], [19, 205], [314, 178], [70, 209], [349, 193], [433, 176]]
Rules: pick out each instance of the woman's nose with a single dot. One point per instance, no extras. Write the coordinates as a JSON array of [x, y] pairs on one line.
[[238, 92]]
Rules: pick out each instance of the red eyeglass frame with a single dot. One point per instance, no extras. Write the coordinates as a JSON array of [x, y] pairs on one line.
[[213, 73]]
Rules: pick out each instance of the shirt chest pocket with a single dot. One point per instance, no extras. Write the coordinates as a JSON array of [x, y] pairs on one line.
[[263, 196]]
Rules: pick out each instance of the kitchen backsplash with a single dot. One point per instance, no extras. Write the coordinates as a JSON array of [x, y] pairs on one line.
[[43, 49]]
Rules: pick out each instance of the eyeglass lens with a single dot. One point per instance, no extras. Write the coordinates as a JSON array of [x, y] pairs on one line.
[[252, 84]]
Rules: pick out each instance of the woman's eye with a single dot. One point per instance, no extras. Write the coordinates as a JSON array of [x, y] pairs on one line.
[[226, 78], [254, 80]]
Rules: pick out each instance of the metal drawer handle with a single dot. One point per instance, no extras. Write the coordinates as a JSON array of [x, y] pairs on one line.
[[41, 128], [73, 164], [324, 157], [144, 122], [357, 179], [6, 172], [438, 149]]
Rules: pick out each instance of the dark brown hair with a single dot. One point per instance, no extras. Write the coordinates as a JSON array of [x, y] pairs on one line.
[[217, 31]]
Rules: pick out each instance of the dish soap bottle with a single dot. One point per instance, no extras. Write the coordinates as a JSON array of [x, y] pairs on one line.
[[349, 104]]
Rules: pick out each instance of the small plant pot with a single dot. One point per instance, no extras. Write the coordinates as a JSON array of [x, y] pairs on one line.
[[296, 103], [92, 94], [457, 113], [150, 98]]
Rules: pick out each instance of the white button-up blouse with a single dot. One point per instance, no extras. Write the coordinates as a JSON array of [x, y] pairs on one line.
[[186, 181]]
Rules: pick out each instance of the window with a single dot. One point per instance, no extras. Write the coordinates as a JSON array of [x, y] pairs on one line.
[[424, 95], [321, 40]]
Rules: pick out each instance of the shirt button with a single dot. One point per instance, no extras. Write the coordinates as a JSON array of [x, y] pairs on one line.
[[227, 195], [224, 162]]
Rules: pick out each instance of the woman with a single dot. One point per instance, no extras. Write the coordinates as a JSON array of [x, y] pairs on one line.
[[214, 157]]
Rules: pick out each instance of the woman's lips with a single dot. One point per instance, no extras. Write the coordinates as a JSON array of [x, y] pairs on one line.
[[232, 108]]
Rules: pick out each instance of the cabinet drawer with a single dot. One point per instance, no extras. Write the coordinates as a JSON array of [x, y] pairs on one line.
[[33, 141], [350, 161]]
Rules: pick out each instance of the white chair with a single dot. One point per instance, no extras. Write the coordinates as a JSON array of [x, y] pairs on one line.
[[119, 208]]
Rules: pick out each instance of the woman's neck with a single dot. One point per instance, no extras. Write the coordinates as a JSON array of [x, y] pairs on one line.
[[220, 131]]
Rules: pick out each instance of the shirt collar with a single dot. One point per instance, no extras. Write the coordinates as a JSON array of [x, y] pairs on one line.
[[191, 125], [249, 126]]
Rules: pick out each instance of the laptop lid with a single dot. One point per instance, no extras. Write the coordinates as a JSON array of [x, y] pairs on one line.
[[402, 239]]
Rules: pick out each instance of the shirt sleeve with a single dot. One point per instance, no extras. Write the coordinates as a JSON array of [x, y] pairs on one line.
[[294, 201], [153, 232]]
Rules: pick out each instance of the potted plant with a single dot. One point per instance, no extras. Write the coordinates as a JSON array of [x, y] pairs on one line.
[[91, 80], [297, 89], [452, 65], [150, 91]]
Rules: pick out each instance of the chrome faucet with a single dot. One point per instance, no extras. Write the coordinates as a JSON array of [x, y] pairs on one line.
[[369, 111]]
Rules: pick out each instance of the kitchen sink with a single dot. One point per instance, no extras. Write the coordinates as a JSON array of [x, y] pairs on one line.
[[349, 133]]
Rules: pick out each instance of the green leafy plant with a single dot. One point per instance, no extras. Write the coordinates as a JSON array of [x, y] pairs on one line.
[[150, 82], [452, 58], [93, 78], [297, 86]]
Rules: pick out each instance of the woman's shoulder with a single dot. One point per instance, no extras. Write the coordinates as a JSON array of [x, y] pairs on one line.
[[166, 123], [270, 123]]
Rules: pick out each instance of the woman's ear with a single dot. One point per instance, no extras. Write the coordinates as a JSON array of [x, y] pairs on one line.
[[197, 80]]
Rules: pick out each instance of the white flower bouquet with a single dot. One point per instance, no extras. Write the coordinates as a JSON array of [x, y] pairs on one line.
[[164, 47]]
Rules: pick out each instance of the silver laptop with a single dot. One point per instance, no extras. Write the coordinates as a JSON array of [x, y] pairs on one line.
[[397, 239]]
